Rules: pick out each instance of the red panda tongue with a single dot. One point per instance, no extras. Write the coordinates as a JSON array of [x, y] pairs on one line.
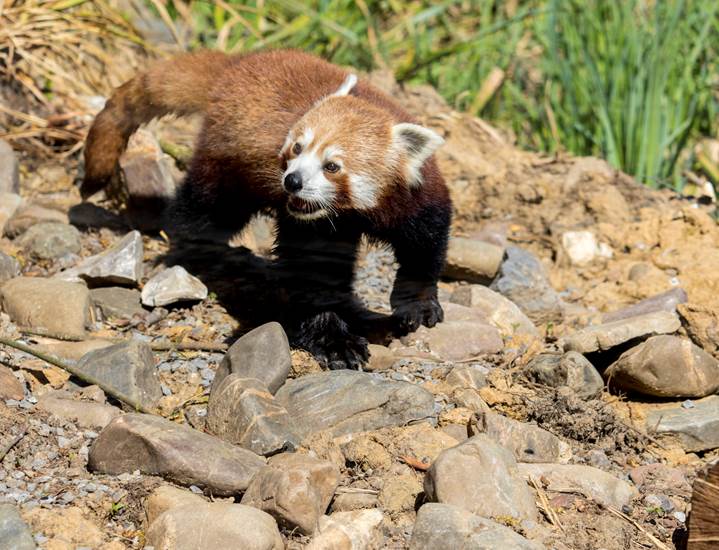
[[300, 205]]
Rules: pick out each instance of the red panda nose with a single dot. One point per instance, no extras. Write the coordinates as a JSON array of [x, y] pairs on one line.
[[293, 182]]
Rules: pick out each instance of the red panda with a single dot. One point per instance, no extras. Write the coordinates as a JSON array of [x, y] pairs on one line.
[[331, 156]]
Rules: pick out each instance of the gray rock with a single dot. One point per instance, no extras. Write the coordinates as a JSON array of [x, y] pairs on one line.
[[696, 428], [9, 203], [14, 534], [46, 304], [120, 264], [117, 303], [472, 260], [467, 376], [523, 280], [608, 335], [527, 442], [87, 414], [666, 301], [345, 401], [593, 483], [262, 353], [50, 240], [499, 311], [156, 446], [480, 476], [666, 366], [9, 267], [446, 526], [295, 489], [9, 169], [243, 411], [457, 340], [27, 216], [214, 525], [128, 367], [359, 529], [171, 286], [571, 369]]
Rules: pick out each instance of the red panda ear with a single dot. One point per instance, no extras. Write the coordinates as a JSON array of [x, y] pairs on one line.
[[349, 83], [414, 144]]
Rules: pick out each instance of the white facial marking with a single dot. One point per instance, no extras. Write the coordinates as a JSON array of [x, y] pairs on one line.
[[363, 191], [416, 144], [315, 186], [331, 153]]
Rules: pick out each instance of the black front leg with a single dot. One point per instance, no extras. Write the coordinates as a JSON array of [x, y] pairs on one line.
[[316, 268], [420, 246]]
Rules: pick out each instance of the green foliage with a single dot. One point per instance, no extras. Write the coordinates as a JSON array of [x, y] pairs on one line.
[[631, 80]]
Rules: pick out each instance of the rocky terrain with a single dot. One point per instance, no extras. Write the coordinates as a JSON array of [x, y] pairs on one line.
[[568, 400]]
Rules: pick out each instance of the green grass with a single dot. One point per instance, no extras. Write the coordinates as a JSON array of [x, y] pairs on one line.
[[634, 81]]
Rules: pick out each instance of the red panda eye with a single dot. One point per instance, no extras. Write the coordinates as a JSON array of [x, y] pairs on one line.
[[297, 148], [331, 167]]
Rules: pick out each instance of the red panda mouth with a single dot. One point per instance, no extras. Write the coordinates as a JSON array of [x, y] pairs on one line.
[[301, 207]]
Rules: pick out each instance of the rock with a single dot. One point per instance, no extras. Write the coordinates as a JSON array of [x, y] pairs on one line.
[[68, 527], [466, 376], [523, 280], [87, 414], [149, 178], [357, 530], [593, 483], [400, 493], [9, 268], [73, 351], [14, 534], [10, 386], [666, 366], [115, 302], [242, 411], [480, 476], [458, 340], [347, 502], [295, 489], [345, 401], [171, 286], [697, 428], [457, 312], [50, 240], [527, 442], [32, 214], [608, 335], [121, 264], [570, 369], [128, 367], [167, 497], [46, 304], [472, 260], [262, 353], [702, 325], [9, 169], [214, 525], [666, 301], [445, 526], [499, 311], [9, 203], [380, 358], [156, 446], [582, 247]]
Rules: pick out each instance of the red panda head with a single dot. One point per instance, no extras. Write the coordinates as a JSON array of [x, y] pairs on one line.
[[346, 154]]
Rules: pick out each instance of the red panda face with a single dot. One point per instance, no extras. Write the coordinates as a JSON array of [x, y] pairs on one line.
[[346, 154]]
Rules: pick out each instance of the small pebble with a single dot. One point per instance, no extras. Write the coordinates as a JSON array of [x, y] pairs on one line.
[[680, 516], [195, 489], [165, 389], [688, 404]]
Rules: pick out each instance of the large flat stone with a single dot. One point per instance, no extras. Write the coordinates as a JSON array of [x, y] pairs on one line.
[[528, 443], [214, 525], [472, 260], [608, 335], [345, 401], [571, 369], [116, 302], [87, 414], [263, 353], [666, 301], [120, 264], [697, 427], [172, 285], [128, 367], [156, 446], [480, 476], [46, 304], [166, 497], [445, 526], [14, 534], [457, 340]]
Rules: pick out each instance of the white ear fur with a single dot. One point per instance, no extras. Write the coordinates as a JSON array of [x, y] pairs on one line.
[[415, 144], [346, 86]]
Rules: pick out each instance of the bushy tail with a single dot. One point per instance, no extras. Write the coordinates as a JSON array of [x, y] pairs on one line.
[[181, 85]]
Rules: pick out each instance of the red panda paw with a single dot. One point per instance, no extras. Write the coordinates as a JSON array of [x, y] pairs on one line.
[[328, 338], [410, 316]]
